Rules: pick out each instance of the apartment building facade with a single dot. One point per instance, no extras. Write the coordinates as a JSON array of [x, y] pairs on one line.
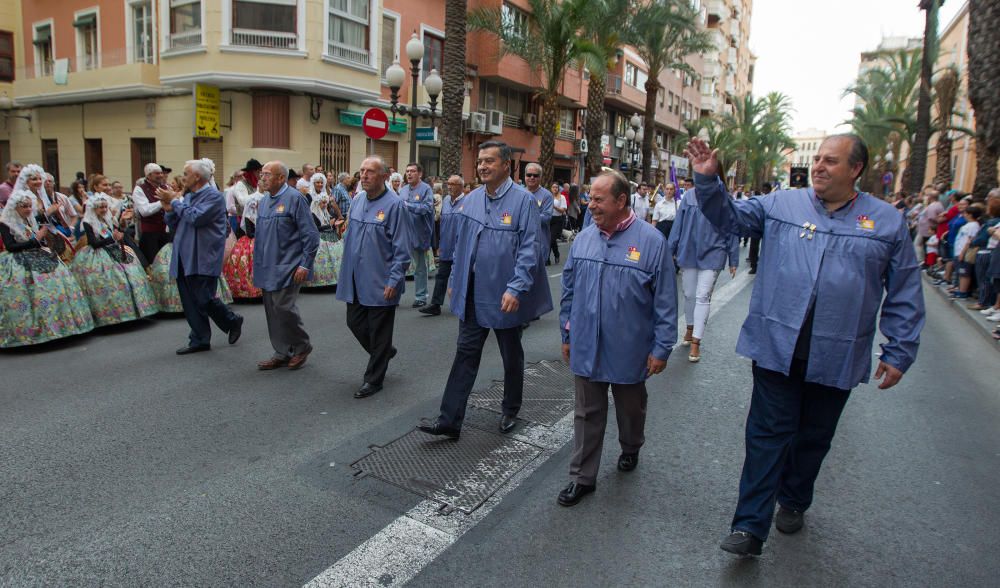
[[728, 70]]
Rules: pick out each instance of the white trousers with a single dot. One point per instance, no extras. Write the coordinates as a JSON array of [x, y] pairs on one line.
[[698, 286]]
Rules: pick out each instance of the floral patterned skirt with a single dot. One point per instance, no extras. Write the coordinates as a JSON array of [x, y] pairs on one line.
[[165, 287], [238, 270], [39, 306], [431, 266], [116, 287], [327, 264]]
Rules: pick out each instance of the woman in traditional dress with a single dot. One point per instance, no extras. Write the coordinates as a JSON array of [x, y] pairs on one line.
[[238, 267], [331, 248], [46, 209], [41, 300], [109, 271]]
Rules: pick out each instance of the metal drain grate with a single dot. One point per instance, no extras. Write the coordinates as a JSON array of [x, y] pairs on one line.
[[548, 393], [460, 474]]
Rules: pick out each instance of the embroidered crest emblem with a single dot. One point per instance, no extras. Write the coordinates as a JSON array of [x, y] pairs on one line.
[[417, 198], [866, 223], [506, 218], [280, 209], [380, 216], [633, 254]]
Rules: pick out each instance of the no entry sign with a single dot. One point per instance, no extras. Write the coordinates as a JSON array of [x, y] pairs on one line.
[[375, 123]]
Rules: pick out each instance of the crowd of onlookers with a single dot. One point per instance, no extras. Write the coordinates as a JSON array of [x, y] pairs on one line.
[[956, 236]]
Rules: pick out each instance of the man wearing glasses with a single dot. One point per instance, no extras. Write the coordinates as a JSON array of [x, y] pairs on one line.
[[533, 182]]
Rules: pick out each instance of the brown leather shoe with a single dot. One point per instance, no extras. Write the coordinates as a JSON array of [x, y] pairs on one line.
[[297, 361], [273, 363]]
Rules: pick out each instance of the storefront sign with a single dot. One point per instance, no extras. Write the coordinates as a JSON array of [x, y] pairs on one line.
[[206, 111]]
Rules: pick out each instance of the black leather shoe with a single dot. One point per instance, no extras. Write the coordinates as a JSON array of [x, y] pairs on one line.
[[753, 270], [574, 492], [367, 390], [419, 303], [742, 543], [436, 428], [236, 330], [193, 349], [507, 423], [628, 461], [393, 352], [789, 521], [431, 309]]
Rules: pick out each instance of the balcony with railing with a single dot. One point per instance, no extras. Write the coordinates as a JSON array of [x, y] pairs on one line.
[[350, 54], [185, 40], [613, 85], [264, 39], [108, 74], [716, 9]]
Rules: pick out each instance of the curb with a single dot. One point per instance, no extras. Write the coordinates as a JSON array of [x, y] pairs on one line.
[[979, 324]]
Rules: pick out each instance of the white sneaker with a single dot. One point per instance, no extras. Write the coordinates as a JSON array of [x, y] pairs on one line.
[[988, 310], [995, 317]]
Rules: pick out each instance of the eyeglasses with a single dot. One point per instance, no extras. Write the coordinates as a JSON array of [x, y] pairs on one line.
[[531, 175]]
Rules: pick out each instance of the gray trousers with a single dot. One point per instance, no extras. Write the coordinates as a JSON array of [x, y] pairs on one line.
[[591, 417], [284, 325]]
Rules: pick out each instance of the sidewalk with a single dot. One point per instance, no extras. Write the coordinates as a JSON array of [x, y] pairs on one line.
[[975, 320]]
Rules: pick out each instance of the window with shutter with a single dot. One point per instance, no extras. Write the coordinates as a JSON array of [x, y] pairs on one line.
[[270, 121]]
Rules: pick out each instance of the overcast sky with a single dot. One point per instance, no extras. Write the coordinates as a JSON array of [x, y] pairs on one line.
[[810, 50]]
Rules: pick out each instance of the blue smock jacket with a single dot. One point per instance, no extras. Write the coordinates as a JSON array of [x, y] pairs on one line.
[[285, 239], [696, 243], [543, 198], [448, 226], [619, 299], [376, 250], [199, 226], [497, 240], [588, 218], [857, 256], [419, 202]]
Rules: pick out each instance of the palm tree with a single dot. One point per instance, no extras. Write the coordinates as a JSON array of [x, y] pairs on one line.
[[918, 149], [984, 71], [946, 95], [453, 89], [605, 26], [664, 33], [549, 42]]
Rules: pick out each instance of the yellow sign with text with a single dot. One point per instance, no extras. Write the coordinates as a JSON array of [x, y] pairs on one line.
[[206, 111]]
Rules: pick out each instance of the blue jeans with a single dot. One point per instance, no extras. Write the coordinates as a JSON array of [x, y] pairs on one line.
[[789, 430], [420, 274]]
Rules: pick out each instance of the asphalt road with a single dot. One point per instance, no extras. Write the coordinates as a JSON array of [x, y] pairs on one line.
[[124, 464]]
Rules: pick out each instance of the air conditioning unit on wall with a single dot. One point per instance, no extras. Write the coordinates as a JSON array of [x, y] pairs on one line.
[[494, 122], [530, 119], [580, 146], [477, 122]]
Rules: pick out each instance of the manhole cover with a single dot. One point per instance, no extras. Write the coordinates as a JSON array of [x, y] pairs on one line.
[[548, 393], [461, 474]]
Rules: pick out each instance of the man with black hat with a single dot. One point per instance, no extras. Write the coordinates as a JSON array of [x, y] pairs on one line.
[[248, 185]]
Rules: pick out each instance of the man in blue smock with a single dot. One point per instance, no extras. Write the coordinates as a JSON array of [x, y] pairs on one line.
[[533, 182], [373, 269], [285, 243], [495, 284], [418, 198], [618, 319], [199, 225], [831, 257], [449, 208]]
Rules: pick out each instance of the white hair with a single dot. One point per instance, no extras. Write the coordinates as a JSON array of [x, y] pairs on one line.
[[396, 176], [532, 166], [152, 168], [342, 175], [204, 167]]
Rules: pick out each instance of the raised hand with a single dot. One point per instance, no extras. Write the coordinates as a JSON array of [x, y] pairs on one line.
[[704, 159]]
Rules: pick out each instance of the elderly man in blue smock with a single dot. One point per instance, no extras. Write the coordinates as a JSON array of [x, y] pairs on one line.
[[618, 319], [533, 182], [700, 250], [284, 249], [373, 269], [495, 285], [418, 198], [832, 256], [198, 222], [449, 208]]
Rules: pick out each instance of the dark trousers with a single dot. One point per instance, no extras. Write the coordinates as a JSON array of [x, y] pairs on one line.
[[789, 430], [754, 251], [664, 227], [590, 418], [151, 243], [441, 282], [372, 327], [469, 352], [555, 232], [284, 323], [200, 302]]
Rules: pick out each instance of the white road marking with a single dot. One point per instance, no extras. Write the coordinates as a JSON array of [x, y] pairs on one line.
[[397, 553], [555, 275]]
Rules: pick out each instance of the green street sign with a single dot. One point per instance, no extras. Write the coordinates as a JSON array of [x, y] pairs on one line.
[[427, 134]]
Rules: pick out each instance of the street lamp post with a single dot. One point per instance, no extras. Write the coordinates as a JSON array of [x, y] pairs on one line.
[[395, 75], [634, 136]]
